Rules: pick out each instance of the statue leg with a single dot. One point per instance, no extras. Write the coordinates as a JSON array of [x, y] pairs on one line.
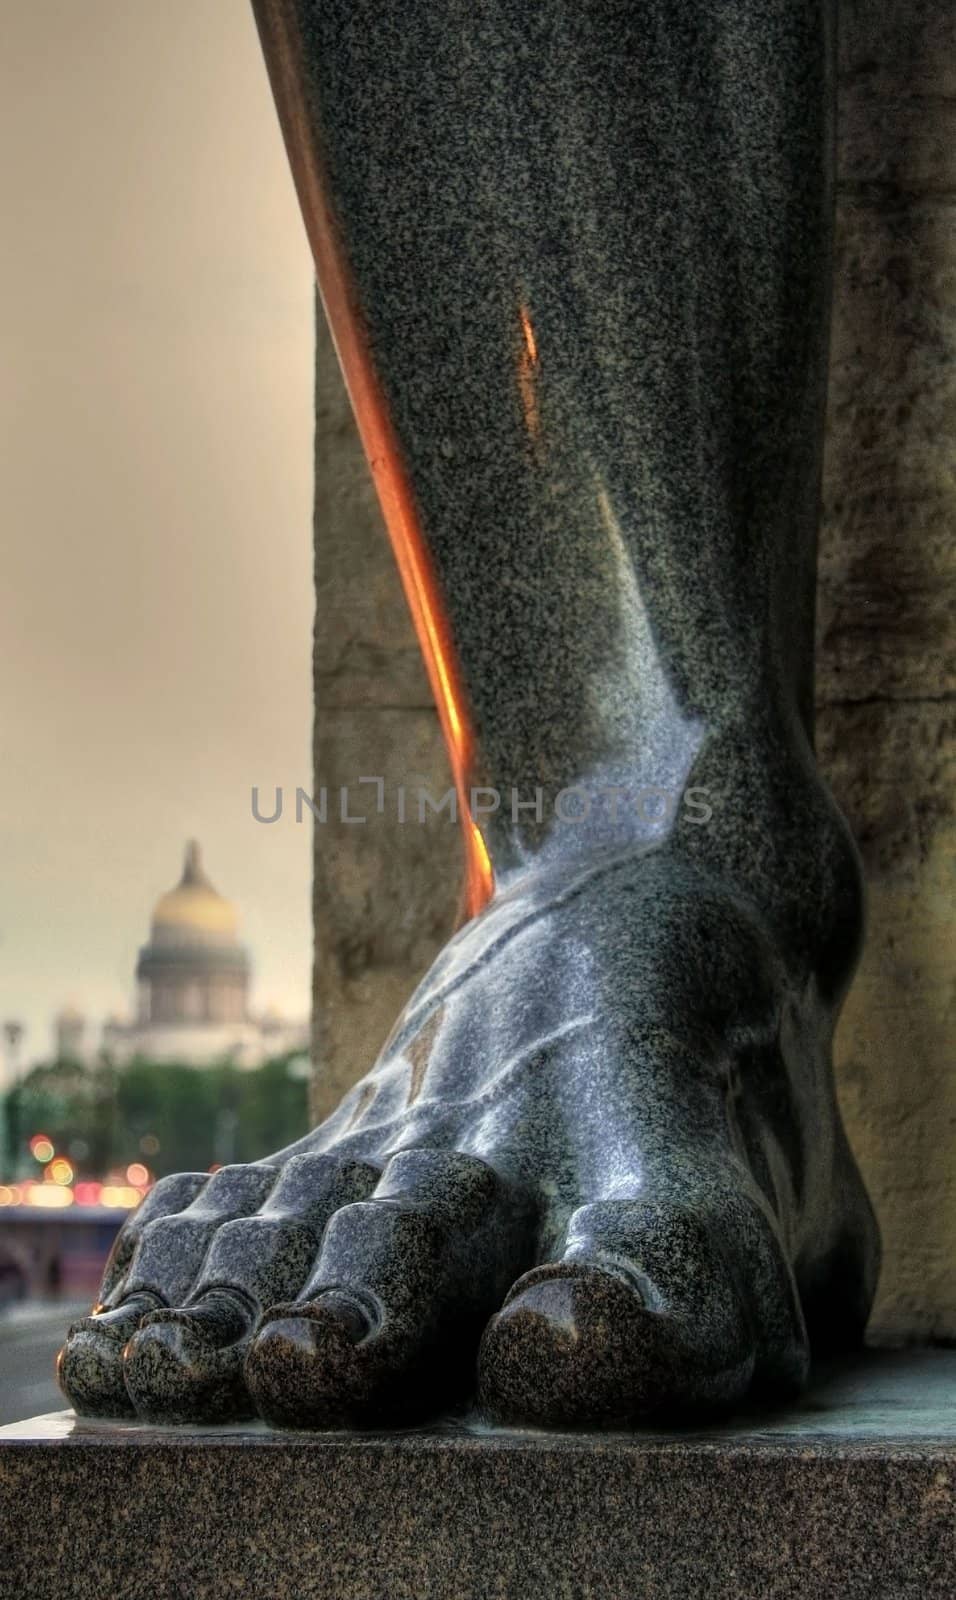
[[576, 261]]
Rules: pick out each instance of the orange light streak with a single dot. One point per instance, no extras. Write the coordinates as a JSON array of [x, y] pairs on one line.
[[279, 35], [528, 378], [530, 342]]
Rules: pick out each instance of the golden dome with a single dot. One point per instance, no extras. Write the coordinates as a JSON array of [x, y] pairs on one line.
[[194, 910]]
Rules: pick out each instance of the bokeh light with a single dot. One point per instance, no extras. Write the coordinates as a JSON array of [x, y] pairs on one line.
[[41, 1148], [51, 1196], [120, 1195]]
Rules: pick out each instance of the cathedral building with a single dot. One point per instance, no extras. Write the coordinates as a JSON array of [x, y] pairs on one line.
[[192, 986]]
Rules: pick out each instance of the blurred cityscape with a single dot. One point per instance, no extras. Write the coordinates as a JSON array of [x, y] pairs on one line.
[[192, 1080], [157, 619]]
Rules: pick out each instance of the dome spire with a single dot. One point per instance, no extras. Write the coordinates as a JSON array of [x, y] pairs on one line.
[[192, 864], [194, 909]]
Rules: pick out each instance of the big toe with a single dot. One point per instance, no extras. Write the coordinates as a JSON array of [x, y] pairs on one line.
[[656, 1308], [579, 1345]]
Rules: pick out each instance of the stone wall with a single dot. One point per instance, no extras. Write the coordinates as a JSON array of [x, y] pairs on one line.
[[886, 659], [385, 895]]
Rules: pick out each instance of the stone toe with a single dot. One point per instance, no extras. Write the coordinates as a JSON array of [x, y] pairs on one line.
[[311, 1365], [387, 1327], [90, 1364], [580, 1345], [187, 1365]]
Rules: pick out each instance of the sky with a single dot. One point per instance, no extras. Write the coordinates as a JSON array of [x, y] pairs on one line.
[[155, 495]]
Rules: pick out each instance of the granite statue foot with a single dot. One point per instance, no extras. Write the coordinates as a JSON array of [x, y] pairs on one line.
[[576, 262], [598, 1175]]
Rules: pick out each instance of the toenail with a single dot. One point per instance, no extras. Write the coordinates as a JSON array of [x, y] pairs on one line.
[[214, 1323], [117, 1324], [350, 1314]]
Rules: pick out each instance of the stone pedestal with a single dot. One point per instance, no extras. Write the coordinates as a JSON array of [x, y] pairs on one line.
[[853, 1493]]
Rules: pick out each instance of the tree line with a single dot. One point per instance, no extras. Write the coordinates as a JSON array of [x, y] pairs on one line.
[[170, 1117]]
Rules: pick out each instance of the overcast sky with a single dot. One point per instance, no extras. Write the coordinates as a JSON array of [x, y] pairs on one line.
[[155, 483]]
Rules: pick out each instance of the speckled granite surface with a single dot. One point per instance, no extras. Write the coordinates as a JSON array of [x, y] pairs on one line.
[[576, 263], [853, 1493], [886, 669]]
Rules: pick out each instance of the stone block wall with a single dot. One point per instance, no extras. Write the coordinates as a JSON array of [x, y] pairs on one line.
[[886, 658], [386, 894]]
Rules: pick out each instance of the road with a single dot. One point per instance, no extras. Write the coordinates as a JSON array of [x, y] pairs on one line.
[[30, 1336]]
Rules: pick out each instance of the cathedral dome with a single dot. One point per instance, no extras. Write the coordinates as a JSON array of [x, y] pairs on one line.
[[194, 912]]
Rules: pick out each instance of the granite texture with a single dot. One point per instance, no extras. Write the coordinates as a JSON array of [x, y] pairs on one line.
[[886, 669], [851, 1495], [598, 1173]]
